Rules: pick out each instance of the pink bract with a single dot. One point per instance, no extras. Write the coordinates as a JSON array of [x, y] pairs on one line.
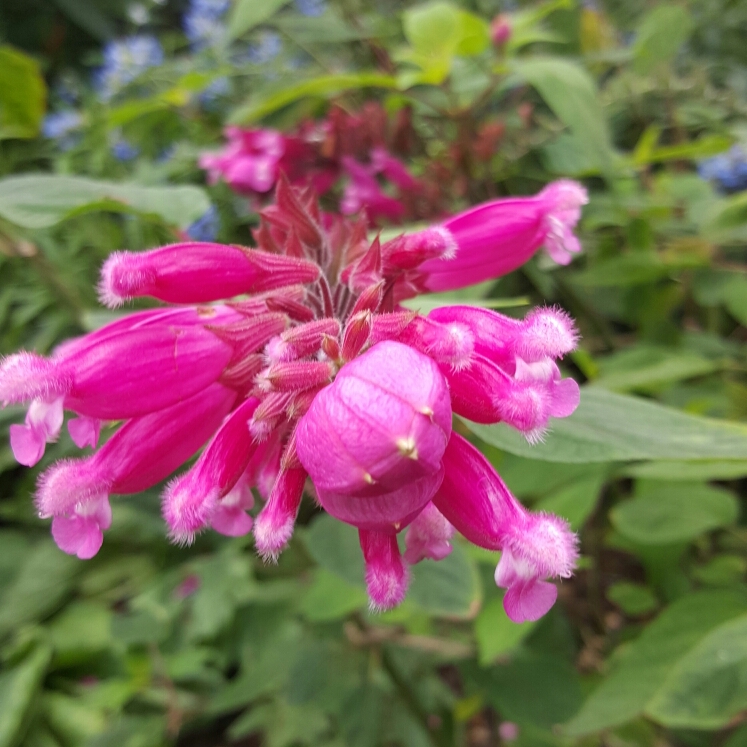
[[295, 368]]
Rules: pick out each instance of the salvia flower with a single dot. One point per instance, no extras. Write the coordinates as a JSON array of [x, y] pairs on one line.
[[294, 367]]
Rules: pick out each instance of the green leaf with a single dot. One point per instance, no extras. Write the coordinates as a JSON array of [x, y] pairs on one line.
[[433, 29], [23, 95], [448, 587], [574, 502], [496, 634], [43, 200], [323, 86], [634, 268], [335, 546], [246, 14], [660, 35], [674, 512], [571, 93], [81, 629], [330, 597], [645, 367], [632, 599], [533, 688], [708, 687], [474, 35], [40, 585], [609, 427], [673, 469], [19, 690], [646, 666]]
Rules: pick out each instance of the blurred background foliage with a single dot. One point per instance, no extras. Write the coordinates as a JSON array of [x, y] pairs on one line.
[[148, 644]]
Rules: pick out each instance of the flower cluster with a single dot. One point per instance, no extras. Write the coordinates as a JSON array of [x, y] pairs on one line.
[[64, 127], [125, 60], [352, 149], [295, 366], [204, 23], [728, 170]]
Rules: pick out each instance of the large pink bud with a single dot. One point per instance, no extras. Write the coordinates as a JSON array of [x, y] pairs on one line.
[[373, 440]]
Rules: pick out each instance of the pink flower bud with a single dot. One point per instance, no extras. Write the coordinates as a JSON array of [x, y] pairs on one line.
[[274, 525], [497, 237], [535, 546], [302, 340], [386, 575], [500, 30], [191, 500], [383, 423], [198, 272], [408, 251]]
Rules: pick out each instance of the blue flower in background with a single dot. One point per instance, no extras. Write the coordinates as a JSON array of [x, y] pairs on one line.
[[203, 23], [125, 60], [206, 227], [124, 151], [211, 94], [728, 170], [62, 126], [267, 48], [311, 7]]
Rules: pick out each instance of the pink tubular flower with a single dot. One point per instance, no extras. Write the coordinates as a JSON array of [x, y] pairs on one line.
[[497, 237], [534, 546], [318, 381]]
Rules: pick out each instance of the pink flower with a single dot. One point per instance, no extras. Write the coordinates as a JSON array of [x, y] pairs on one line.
[[317, 381], [497, 237]]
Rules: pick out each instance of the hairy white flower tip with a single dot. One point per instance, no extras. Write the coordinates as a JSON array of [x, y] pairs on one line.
[[387, 587], [445, 241], [122, 278], [187, 508], [278, 350], [271, 534], [547, 542], [463, 345], [26, 376], [70, 483], [546, 333], [525, 407]]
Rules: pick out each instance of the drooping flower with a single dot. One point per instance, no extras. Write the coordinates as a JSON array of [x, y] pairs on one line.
[[311, 377], [495, 238]]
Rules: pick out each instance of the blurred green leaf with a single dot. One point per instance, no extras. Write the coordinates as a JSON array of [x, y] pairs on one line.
[[674, 512], [81, 629], [448, 587], [19, 691], [571, 93], [663, 30], [632, 599], [495, 633], [246, 14], [23, 95], [642, 367], [644, 669], [574, 502], [696, 470], [42, 200], [41, 583], [330, 597], [327, 85], [708, 687], [609, 427], [335, 547]]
